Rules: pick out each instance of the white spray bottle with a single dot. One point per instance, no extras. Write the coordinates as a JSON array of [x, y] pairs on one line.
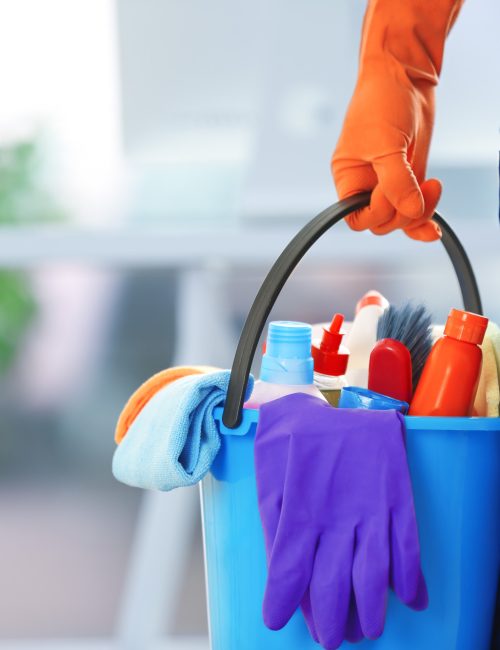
[[362, 336]]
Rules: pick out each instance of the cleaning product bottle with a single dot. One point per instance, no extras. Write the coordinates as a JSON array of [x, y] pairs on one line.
[[287, 365], [451, 374], [330, 361], [362, 336]]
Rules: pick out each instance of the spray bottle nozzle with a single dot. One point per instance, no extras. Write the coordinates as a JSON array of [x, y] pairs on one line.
[[330, 357], [332, 336]]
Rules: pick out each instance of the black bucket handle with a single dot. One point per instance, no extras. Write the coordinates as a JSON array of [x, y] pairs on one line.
[[281, 271]]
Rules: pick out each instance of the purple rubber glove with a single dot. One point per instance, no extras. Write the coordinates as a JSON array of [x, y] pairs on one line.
[[337, 510]]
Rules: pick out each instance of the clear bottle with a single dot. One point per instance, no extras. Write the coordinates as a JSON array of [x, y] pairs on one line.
[[287, 365], [330, 361], [362, 336]]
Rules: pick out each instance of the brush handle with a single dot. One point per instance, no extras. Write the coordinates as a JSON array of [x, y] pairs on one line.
[[286, 263]]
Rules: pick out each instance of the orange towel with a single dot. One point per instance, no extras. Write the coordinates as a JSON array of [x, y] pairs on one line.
[[385, 139], [146, 391]]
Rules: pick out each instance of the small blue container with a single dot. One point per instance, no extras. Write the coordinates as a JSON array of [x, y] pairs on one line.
[[455, 471], [355, 397]]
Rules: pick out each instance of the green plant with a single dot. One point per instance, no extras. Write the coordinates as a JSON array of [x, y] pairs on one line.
[[24, 199], [23, 195], [17, 308]]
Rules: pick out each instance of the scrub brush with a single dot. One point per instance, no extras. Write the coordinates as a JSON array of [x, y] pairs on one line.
[[410, 325]]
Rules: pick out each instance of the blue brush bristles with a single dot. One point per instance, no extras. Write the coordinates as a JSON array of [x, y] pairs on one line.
[[412, 325]]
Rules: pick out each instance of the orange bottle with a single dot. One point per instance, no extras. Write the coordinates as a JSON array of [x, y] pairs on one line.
[[451, 374]]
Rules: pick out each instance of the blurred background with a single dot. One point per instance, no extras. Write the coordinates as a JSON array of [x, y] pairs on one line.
[[155, 157]]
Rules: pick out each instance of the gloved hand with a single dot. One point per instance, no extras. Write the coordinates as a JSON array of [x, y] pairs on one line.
[[336, 506], [385, 139]]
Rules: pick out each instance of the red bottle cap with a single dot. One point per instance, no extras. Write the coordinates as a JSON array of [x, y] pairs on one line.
[[330, 357], [466, 326], [372, 298]]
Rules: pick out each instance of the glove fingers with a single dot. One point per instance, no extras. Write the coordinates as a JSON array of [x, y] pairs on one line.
[[394, 221], [353, 631], [397, 222], [289, 575], [270, 498], [370, 575], [406, 573], [429, 232], [398, 183], [352, 176], [271, 455], [357, 220], [421, 600], [306, 608], [380, 211], [331, 587], [424, 229], [431, 193]]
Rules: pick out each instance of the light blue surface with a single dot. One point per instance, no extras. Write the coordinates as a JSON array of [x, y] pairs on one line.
[[174, 439], [288, 359], [455, 469], [354, 397]]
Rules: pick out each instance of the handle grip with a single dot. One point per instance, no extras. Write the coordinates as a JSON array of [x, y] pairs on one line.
[[281, 271]]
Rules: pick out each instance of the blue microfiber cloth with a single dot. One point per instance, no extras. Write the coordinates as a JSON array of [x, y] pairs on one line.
[[174, 439]]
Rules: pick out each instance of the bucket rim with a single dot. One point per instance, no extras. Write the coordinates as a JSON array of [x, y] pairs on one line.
[[250, 417], [429, 423]]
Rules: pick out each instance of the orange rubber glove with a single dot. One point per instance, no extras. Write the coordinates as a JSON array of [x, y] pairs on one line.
[[146, 391], [384, 143]]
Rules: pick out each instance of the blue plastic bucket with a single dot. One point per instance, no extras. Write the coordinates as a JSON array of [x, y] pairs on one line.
[[455, 471], [454, 465]]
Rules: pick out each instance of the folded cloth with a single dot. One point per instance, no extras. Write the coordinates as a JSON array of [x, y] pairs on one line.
[[336, 505], [146, 391], [493, 332], [487, 402], [174, 439]]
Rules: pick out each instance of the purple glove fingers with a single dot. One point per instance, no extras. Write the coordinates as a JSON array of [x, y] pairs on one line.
[[288, 579], [306, 608], [406, 574], [421, 600], [407, 579], [271, 455], [331, 587], [370, 576], [353, 631]]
